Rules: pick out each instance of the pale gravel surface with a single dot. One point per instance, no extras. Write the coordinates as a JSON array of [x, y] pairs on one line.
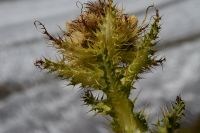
[[47, 106]]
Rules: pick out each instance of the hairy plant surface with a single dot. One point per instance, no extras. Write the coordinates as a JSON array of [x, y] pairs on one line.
[[107, 50]]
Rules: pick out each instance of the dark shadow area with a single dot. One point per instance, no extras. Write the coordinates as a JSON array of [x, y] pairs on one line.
[[7, 88]]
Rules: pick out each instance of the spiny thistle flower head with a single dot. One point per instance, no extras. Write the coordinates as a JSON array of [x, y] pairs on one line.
[[101, 33], [102, 27], [105, 49], [84, 29]]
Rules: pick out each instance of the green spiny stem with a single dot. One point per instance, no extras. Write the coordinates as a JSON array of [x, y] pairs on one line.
[[123, 114], [122, 107]]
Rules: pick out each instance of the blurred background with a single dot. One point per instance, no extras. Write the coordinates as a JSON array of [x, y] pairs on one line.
[[32, 101]]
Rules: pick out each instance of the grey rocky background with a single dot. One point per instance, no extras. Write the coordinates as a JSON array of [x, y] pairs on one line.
[[35, 102]]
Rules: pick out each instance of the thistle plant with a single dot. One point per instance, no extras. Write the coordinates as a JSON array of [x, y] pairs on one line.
[[106, 50]]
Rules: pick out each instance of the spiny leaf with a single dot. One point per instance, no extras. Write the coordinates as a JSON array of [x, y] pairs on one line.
[[97, 104], [171, 117]]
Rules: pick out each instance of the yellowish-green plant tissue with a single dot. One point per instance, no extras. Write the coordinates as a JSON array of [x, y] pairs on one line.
[[107, 50]]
